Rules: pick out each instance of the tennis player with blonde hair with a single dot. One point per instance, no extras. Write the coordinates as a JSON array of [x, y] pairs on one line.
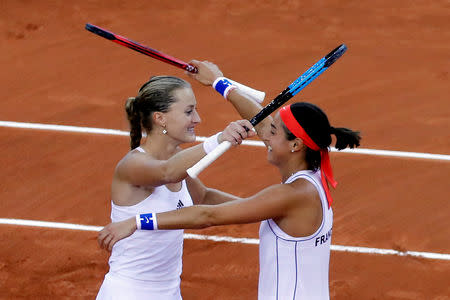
[[152, 177], [296, 215]]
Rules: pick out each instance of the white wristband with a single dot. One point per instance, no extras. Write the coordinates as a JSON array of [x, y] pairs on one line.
[[253, 94], [211, 143], [138, 222]]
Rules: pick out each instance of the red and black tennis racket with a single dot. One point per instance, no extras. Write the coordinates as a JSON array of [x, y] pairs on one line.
[[141, 48], [254, 94]]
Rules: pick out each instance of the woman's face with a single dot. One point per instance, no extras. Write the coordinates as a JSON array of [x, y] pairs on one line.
[[278, 146], [182, 116]]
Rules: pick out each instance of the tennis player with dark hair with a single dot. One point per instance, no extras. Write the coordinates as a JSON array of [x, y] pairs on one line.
[[152, 177], [296, 215]]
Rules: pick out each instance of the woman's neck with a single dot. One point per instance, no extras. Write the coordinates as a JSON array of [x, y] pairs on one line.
[[291, 168], [160, 146]]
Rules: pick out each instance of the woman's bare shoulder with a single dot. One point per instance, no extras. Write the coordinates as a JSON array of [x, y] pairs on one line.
[[131, 162]]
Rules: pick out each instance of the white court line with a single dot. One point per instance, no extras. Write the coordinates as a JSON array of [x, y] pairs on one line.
[[201, 139], [215, 238], [62, 128]]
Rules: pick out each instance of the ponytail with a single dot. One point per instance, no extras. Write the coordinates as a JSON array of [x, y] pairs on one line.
[[345, 137], [134, 118], [316, 124]]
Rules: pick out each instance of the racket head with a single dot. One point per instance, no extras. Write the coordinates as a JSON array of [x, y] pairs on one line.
[[301, 82], [100, 31], [334, 55]]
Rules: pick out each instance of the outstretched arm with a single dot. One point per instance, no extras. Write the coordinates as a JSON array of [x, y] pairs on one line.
[[244, 105], [273, 202], [141, 169]]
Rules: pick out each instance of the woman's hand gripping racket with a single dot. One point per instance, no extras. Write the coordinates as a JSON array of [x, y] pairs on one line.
[[292, 90]]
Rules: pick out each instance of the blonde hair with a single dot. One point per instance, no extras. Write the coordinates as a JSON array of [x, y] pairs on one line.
[[156, 95]]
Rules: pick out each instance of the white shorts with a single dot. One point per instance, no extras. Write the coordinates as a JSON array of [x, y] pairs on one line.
[[118, 288]]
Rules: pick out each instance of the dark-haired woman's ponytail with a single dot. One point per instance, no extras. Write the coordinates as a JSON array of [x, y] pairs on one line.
[[134, 118], [345, 137]]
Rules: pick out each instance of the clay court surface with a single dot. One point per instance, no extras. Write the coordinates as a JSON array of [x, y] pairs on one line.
[[392, 84]]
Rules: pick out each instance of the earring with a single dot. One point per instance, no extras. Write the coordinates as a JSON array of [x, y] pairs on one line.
[[164, 130], [292, 150]]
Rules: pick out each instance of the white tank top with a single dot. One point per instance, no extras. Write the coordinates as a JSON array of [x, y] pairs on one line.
[[296, 267], [150, 255]]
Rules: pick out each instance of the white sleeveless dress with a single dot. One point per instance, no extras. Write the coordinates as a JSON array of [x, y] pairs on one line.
[[147, 264], [296, 267]]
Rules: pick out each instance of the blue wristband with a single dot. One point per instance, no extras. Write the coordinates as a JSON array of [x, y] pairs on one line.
[[223, 86], [147, 221]]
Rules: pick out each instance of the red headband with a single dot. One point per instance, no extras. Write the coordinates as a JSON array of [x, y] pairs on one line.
[[325, 167]]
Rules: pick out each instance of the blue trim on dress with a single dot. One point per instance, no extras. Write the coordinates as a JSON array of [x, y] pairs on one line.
[[296, 270], [278, 272]]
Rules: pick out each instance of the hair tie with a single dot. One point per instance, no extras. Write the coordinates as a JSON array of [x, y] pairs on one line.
[[332, 130]]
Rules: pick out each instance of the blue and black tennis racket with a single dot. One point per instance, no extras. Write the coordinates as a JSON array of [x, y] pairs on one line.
[[292, 90]]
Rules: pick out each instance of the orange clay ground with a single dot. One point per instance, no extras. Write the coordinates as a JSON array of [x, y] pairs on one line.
[[392, 84]]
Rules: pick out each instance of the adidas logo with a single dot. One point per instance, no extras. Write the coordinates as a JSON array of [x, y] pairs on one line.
[[180, 204]]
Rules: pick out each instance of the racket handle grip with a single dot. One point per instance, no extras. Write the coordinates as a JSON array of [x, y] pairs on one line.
[[208, 159], [191, 68]]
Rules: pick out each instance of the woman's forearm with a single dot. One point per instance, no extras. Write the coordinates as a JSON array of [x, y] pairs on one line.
[[248, 108], [177, 165], [192, 217]]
